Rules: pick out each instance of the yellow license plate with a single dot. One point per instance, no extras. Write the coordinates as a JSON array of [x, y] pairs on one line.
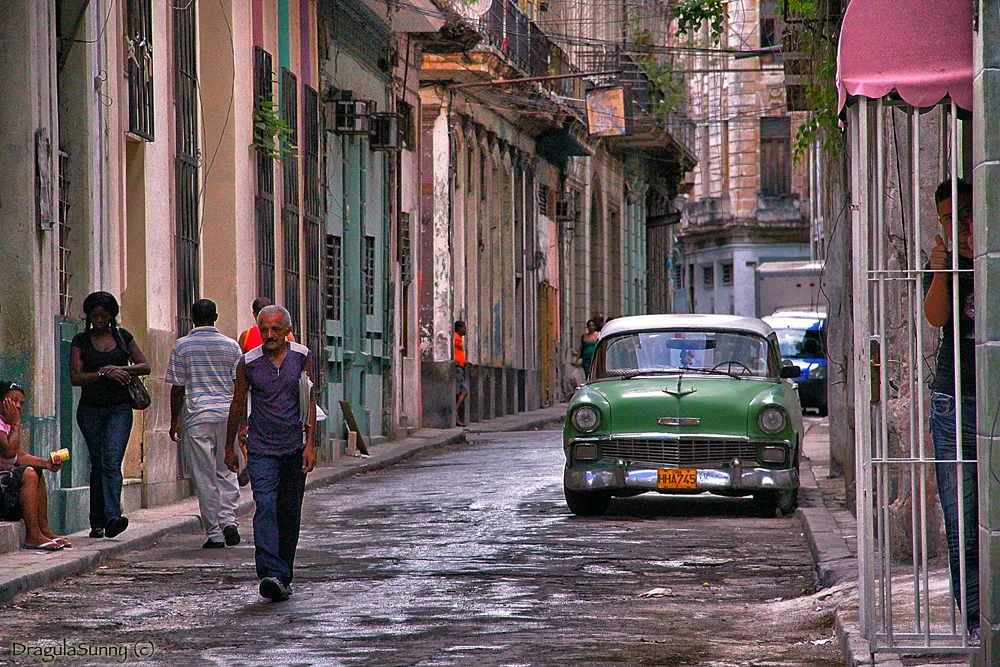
[[683, 478]]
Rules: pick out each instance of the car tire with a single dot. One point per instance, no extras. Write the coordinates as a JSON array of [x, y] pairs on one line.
[[587, 503], [771, 503]]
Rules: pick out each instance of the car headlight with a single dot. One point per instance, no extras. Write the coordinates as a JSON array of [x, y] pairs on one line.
[[586, 418], [771, 419], [817, 371], [585, 451]]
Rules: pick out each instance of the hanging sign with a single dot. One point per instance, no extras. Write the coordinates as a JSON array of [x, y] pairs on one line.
[[609, 111]]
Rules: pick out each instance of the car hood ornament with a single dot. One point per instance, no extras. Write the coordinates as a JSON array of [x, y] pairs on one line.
[[678, 391]]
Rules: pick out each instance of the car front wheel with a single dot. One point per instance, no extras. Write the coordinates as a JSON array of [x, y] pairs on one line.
[[784, 501], [587, 503]]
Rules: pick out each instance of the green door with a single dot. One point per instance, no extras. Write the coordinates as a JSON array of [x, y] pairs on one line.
[[355, 223]]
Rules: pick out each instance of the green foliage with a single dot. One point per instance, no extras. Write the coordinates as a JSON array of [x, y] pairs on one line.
[[270, 132], [690, 15], [667, 91], [813, 34]]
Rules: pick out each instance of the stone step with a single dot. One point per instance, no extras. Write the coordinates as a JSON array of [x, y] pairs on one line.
[[11, 536]]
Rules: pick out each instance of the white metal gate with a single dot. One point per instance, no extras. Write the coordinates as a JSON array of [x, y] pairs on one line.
[[906, 599]]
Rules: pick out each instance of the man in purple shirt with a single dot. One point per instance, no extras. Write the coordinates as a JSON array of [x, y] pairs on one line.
[[277, 460]]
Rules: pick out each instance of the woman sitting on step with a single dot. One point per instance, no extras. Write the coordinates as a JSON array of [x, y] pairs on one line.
[[22, 486]]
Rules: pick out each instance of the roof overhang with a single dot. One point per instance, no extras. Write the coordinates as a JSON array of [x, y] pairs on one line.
[[922, 51]]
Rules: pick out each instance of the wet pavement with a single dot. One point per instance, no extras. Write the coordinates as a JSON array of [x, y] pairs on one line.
[[465, 555]]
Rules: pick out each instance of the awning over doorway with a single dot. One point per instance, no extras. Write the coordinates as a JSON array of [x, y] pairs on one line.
[[922, 50]]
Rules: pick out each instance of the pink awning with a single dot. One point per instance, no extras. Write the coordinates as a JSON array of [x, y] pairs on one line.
[[922, 49]]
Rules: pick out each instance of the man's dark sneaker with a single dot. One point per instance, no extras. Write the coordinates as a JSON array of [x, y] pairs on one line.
[[244, 477], [232, 534], [212, 544], [96, 532], [273, 589], [116, 527]]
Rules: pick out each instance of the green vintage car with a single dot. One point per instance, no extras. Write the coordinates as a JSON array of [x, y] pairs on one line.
[[684, 404]]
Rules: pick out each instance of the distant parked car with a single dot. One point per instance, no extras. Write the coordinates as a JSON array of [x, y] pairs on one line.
[[802, 339], [684, 404]]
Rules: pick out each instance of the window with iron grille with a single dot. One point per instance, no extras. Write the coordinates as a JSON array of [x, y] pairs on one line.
[[727, 273], [186, 170], [139, 67], [334, 276], [290, 192], [708, 276], [264, 199], [404, 249], [65, 300], [679, 276], [368, 274], [312, 226]]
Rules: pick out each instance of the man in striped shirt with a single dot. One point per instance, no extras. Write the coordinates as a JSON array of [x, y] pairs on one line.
[[202, 369]]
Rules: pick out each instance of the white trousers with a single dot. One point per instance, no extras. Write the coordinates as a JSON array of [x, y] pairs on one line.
[[218, 491]]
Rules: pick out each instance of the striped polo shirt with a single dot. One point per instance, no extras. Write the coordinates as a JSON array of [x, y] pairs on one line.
[[275, 429], [204, 363]]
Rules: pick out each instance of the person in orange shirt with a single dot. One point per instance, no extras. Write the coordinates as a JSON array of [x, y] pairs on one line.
[[461, 385], [250, 338]]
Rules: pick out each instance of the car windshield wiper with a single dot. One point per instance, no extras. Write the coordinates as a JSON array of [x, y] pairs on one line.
[[651, 371], [711, 371]]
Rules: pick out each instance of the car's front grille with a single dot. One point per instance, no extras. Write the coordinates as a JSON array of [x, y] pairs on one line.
[[678, 453]]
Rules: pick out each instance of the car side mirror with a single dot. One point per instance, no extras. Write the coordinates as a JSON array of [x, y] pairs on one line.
[[791, 371]]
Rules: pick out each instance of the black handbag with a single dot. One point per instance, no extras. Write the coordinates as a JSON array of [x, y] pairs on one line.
[[137, 394]]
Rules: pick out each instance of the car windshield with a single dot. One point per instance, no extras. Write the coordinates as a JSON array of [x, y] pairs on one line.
[[651, 352], [800, 343]]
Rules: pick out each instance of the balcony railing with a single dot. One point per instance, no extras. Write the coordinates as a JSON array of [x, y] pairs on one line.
[[510, 31]]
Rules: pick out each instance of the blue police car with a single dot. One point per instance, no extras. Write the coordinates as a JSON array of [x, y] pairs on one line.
[[802, 339]]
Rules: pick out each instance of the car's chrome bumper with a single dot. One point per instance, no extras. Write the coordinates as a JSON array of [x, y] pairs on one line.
[[609, 476]]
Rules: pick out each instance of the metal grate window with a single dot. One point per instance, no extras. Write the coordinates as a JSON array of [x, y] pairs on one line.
[[290, 195], [139, 67], [186, 161], [405, 250], [727, 273], [65, 300], [313, 225], [264, 199], [368, 274], [334, 276], [708, 276]]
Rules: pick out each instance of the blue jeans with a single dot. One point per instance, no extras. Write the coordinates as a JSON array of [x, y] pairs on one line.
[[942, 423], [278, 484], [106, 431]]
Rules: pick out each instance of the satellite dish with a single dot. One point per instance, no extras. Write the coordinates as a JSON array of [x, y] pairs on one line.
[[479, 7]]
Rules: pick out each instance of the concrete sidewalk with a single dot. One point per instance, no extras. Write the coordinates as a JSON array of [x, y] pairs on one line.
[[26, 570]]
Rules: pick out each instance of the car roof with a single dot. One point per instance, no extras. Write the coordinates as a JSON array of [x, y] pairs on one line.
[[665, 322], [795, 321]]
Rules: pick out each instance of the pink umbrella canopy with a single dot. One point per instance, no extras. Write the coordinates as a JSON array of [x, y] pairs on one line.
[[922, 49]]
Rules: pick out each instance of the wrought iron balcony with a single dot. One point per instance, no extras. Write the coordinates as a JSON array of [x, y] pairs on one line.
[[510, 31]]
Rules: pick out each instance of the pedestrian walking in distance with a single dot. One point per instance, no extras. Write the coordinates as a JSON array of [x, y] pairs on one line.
[[277, 458], [103, 360], [461, 382], [201, 373]]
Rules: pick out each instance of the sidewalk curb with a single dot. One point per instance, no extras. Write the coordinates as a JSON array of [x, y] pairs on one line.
[[26, 571]]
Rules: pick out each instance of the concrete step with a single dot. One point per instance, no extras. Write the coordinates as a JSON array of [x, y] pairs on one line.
[[11, 536]]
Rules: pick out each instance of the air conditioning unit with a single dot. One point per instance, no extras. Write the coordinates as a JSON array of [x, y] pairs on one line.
[[385, 132], [566, 208], [353, 116]]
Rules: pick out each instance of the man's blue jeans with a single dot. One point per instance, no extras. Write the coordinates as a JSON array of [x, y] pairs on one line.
[[278, 484], [942, 423], [106, 431]]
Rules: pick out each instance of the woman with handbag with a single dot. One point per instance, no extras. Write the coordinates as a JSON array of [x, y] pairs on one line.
[[106, 361]]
